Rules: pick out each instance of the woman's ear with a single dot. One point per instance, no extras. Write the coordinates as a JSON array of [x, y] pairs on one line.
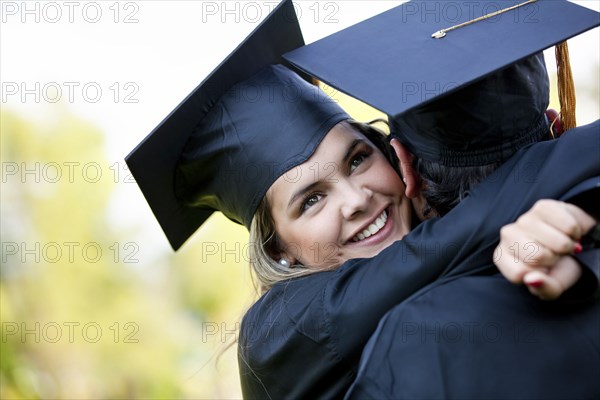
[[411, 179], [284, 257], [284, 263]]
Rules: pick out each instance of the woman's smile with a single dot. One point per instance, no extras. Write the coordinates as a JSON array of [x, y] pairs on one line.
[[376, 231]]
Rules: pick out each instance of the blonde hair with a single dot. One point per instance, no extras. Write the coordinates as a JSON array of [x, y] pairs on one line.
[[265, 245]]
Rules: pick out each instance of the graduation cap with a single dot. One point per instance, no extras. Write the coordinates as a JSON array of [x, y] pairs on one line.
[[463, 82], [245, 125]]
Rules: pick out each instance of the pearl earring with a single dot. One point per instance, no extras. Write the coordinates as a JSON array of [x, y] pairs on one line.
[[284, 263]]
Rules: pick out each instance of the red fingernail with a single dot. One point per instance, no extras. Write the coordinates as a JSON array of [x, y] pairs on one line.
[[578, 248], [535, 284]]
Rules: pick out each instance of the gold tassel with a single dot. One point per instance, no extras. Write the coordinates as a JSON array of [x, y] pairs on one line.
[[566, 87]]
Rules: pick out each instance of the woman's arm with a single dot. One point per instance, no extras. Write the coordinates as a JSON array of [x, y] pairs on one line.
[[462, 242]]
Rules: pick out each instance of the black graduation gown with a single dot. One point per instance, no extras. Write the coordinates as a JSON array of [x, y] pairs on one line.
[[481, 337], [304, 337]]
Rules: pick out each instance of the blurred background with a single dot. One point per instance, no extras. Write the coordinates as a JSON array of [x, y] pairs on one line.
[[93, 302]]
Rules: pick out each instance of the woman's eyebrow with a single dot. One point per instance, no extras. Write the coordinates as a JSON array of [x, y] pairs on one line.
[[300, 193], [355, 143]]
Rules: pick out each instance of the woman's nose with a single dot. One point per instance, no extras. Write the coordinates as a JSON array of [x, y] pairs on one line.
[[355, 199]]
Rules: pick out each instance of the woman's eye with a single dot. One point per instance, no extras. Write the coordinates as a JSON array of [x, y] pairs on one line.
[[356, 161], [310, 201]]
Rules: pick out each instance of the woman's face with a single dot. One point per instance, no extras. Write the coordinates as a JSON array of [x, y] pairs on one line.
[[345, 202]]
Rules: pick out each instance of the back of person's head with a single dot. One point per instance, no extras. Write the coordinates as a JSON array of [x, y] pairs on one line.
[[461, 138]]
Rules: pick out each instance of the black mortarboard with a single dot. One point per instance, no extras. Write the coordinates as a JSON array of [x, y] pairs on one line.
[[245, 125], [470, 98]]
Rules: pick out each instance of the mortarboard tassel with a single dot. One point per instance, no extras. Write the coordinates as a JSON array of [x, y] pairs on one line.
[[566, 87]]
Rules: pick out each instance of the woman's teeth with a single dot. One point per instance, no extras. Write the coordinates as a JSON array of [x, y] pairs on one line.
[[373, 228]]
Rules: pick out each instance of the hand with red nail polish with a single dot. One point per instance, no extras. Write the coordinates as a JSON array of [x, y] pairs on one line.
[[536, 249], [535, 284]]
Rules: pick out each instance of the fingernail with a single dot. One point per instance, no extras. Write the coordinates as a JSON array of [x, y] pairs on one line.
[[535, 284], [578, 248]]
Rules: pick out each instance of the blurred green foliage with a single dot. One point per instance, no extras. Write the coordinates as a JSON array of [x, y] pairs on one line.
[[80, 324]]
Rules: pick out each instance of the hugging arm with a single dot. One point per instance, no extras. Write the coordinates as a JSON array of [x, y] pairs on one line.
[[462, 242]]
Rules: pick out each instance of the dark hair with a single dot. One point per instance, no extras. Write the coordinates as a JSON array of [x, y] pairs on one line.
[[379, 139], [444, 187]]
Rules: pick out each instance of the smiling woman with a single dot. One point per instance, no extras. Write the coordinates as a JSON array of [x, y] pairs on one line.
[[347, 195]]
